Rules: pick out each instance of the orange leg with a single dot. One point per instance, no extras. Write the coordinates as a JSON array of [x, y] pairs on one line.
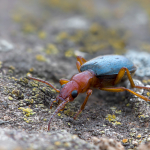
[[80, 62], [121, 74], [40, 80], [121, 89], [89, 92], [63, 81]]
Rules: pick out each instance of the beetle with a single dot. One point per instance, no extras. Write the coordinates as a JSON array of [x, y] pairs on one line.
[[102, 72]]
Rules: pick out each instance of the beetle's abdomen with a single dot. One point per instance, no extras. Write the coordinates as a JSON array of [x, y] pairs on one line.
[[108, 65]]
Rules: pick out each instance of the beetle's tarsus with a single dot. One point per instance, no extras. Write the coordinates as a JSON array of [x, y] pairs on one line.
[[76, 115]]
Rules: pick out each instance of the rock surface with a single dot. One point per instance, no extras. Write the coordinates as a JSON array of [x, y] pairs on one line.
[[42, 38]]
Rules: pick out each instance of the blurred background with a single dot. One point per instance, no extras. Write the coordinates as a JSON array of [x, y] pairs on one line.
[[44, 30], [90, 26]]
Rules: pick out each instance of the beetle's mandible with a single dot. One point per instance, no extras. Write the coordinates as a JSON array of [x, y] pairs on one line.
[[102, 72]]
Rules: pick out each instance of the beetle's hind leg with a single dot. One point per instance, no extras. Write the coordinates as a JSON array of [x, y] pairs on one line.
[[120, 89], [121, 74], [80, 62]]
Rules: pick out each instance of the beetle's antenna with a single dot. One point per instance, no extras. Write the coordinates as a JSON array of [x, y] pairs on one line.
[[57, 110], [40, 80]]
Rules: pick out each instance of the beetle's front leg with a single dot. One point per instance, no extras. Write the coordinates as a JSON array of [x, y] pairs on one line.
[[63, 81], [80, 62], [89, 92]]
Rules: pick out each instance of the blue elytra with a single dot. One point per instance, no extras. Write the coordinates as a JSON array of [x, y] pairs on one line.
[[108, 65]]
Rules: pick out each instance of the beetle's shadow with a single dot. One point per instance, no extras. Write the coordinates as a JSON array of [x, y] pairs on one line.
[[101, 103]]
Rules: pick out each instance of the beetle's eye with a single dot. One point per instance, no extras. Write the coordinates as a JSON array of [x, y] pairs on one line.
[[62, 85], [74, 93]]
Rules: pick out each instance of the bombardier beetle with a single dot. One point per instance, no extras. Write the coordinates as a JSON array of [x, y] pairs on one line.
[[102, 72]]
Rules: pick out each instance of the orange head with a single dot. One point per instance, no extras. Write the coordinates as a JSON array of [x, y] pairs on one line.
[[69, 90], [68, 93]]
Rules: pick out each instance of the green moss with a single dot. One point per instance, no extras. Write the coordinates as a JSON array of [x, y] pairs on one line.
[[59, 114], [69, 53], [18, 93], [31, 69], [27, 120], [128, 104], [57, 143], [40, 58], [102, 132], [117, 123], [31, 101], [24, 80], [51, 49], [34, 83], [10, 98], [118, 112], [42, 35], [27, 111], [44, 119], [35, 89], [15, 79], [12, 67], [69, 112], [62, 36], [111, 118], [29, 27]]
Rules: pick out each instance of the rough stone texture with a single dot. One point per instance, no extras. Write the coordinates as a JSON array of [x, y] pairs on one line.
[[107, 144], [12, 140], [145, 146], [42, 38]]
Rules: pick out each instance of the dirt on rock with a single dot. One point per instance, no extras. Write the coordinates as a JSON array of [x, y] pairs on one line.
[[42, 38]]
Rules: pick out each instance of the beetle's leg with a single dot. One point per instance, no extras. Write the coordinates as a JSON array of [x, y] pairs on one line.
[[121, 74], [78, 65], [63, 81], [40, 80], [51, 104], [121, 89], [89, 92], [57, 100], [80, 62]]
